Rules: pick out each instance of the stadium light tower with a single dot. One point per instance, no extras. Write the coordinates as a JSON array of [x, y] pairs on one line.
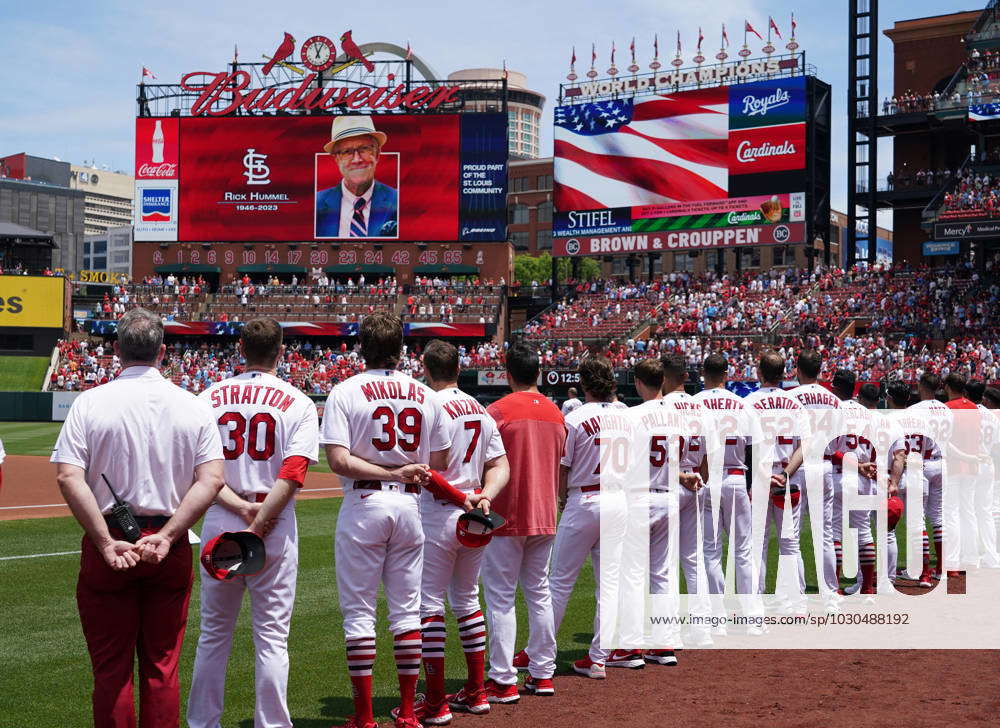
[[862, 115]]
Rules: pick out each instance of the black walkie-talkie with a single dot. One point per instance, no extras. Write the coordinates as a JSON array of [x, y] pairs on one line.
[[123, 515]]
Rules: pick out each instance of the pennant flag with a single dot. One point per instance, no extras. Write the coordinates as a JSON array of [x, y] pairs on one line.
[[236, 53], [678, 42], [572, 60], [409, 51], [794, 25], [147, 72], [612, 53], [632, 49], [774, 26], [725, 36], [750, 29], [656, 46], [593, 53], [700, 39]]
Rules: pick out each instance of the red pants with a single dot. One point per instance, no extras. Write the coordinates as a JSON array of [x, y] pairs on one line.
[[139, 611]]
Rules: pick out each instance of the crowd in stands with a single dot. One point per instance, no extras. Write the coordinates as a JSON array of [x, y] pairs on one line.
[[975, 195], [903, 317], [904, 178]]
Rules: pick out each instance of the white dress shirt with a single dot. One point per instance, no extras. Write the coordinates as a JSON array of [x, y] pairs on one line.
[[347, 200]]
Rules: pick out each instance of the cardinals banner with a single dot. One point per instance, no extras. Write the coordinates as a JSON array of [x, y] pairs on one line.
[[394, 178]]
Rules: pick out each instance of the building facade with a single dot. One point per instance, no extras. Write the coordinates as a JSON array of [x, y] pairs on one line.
[[524, 108], [109, 251], [57, 211], [107, 196]]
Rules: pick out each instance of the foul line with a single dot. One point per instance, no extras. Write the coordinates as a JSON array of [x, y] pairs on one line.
[[47, 505], [38, 556]]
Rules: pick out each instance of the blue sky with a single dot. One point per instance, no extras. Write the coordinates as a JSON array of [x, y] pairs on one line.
[[69, 79]]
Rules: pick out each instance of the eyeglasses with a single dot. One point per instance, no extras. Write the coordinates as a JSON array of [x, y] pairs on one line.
[[366, 151]]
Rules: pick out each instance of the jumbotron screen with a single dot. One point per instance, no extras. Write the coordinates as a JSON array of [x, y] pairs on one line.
[[715, 167], [350, 177]]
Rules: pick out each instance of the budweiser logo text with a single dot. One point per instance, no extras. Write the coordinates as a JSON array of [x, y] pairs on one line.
[[759, 106], [165, 170], [226, 92], [745, 152]]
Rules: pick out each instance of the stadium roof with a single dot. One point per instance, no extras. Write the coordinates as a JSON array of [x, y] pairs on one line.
[[22, 234]]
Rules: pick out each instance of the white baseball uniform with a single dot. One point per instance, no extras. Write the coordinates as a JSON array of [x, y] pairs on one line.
[[817, 397], [263, 421], [390, 419], [985, 484], [674, 413], [570, 404], [732, 422], [449, 567], [579, 531], [776, 412]]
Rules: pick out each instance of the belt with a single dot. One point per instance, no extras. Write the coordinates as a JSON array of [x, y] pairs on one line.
[[253, 497], [145, 522], [736, 471], [379, 485], [590, 488]]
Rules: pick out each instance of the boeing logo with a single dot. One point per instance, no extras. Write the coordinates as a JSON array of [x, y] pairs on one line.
[[760, 105]]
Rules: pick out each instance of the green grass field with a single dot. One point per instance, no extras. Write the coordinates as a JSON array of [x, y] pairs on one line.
[[22, 373], [29, 438]]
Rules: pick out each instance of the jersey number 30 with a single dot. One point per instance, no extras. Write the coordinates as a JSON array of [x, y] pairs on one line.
[[251, 437]]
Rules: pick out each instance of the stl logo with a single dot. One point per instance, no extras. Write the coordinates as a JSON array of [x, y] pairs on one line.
[[257, 172]]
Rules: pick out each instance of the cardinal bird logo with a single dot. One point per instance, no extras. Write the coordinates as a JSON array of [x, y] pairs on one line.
[[284, 51], [352, 51]]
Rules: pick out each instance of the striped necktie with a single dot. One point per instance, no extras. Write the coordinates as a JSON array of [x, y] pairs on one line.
[[358, 228]]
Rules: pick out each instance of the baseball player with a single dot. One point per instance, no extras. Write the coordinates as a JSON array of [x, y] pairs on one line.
[[940, 421], [776, 413], [732, 422], [381, 429], [579, 531], [991, 398], [533, 432], [477, 466], [270, 435], [653, 378], [985, 475], [965, 453], [813, 396], [855, 419]]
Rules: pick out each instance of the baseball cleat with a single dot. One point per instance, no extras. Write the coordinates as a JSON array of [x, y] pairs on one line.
[[588, 668], [407, 723], [926, 580], [660, 657], [852, 588], [466, 701], [539, 686], [426, 713], [497, 693], [521, 661], [631, 659], [353, 722]]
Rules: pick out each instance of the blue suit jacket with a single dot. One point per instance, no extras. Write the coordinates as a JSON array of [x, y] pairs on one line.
[[382, 219]]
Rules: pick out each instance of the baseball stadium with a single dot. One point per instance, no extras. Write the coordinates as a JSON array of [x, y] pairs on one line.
[[411, 381]]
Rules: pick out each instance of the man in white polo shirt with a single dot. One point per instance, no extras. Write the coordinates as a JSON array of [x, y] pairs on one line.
[[160, 450]]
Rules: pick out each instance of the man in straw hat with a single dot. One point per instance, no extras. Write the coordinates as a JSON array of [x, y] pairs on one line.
[[360, 206]]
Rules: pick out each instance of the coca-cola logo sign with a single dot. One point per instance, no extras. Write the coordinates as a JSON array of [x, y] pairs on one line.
[[164, 170], [746, 152]]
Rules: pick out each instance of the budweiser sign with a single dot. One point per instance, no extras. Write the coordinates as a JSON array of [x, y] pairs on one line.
[[164, 170], [224, 93]]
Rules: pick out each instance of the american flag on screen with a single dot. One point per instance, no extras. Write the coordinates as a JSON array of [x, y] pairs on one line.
[[623, 152]]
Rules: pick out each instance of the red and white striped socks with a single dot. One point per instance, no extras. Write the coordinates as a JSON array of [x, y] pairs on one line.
[[939, 549], [360, 659], [432, 630], [406, 648], [472, 632], [838, 551], [866, 557], [926, 553]]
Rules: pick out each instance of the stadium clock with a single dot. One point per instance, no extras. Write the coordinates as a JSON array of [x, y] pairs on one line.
[[318, 53]]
